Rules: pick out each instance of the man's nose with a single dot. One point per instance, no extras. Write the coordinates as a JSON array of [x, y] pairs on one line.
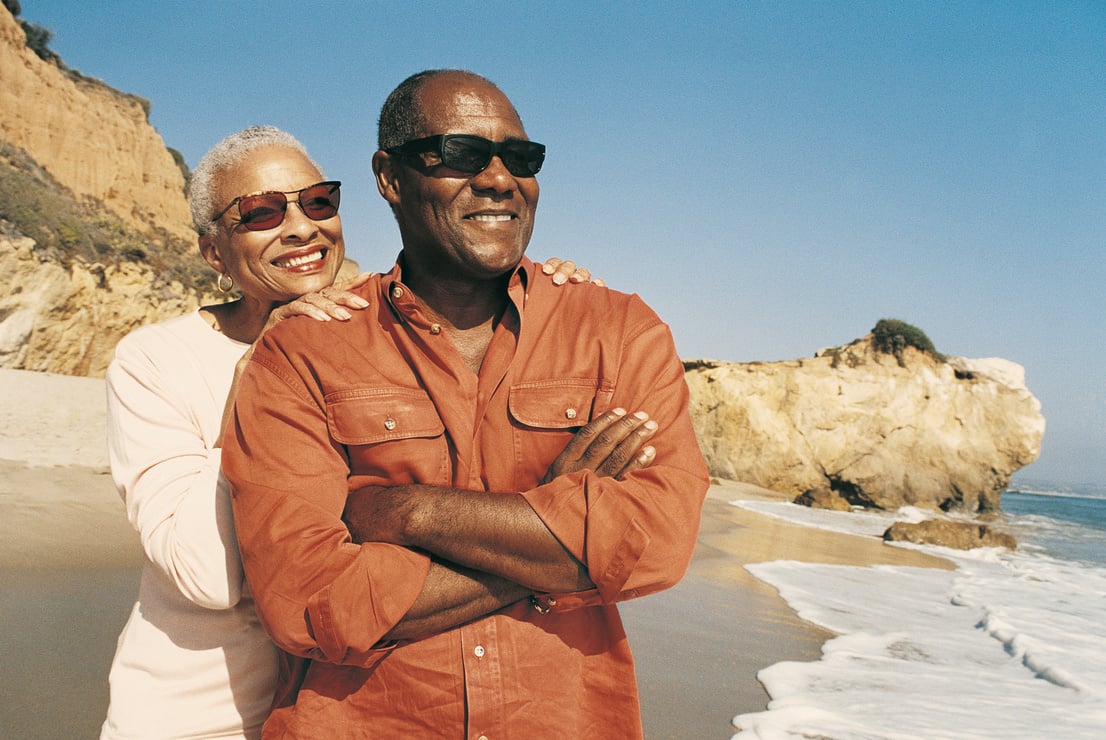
[[494, 177]]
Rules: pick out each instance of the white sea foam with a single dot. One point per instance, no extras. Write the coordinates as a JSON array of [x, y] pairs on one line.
[[1009, 645]]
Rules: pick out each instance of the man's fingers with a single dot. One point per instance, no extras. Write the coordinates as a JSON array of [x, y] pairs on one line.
[[643, 459], [609, 434], [611, 445], [626, 455]]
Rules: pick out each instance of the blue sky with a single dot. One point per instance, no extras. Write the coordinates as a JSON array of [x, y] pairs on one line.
[[771, 177]]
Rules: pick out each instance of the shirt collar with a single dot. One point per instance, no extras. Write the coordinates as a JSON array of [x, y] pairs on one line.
[[404, 305]]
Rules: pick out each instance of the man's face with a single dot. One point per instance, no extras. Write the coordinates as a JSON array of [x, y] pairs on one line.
[[456, 224]]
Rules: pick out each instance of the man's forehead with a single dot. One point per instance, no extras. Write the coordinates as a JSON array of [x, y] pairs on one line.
[[455, 102]]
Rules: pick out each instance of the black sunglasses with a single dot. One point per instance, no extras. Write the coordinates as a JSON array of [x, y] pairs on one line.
[[262, 211], [472, 154]]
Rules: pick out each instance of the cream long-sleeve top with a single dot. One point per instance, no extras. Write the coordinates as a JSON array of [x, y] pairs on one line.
[[192, 660]]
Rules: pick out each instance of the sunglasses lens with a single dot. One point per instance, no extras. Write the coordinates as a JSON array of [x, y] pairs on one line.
[[320, 201], [264, 211], [471, 154], [522, 158], [466, 153]]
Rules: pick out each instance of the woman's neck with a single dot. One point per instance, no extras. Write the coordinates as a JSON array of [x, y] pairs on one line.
[[241, 319]]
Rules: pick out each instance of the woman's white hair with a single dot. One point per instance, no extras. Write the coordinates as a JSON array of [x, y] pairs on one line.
[[224, 155]]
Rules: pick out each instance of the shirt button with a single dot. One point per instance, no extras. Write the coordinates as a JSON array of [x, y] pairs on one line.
[[482, 737], [570, 413], [397, 292], [389, 424], [435, 328], [479, 651]]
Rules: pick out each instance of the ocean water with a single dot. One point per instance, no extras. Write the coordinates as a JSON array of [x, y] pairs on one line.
[[1007, 645]]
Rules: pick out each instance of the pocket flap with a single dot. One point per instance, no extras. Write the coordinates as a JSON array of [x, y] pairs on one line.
[[364, 416], [553, 404]]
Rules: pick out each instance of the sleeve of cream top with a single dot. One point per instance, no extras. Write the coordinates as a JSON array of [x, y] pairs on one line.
[[160, 440]]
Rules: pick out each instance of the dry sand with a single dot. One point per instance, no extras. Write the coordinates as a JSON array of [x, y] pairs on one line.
[[69, 574]]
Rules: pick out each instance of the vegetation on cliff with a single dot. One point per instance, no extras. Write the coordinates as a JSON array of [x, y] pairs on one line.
[[892, 336], [889, 337], [67, 229]]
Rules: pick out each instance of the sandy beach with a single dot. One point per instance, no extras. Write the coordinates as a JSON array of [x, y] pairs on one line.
[[69, 574]]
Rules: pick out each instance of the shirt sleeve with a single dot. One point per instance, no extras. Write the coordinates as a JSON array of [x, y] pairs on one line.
[[168, 476], [317, 593], [636, 535]]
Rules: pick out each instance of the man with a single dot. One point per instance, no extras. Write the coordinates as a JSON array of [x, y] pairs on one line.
[[480, 601]]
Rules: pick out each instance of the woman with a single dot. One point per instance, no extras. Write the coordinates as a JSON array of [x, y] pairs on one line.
[[193, 660]]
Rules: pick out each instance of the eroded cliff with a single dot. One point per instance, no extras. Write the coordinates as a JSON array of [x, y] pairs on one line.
[[95, 235], [96, 141]]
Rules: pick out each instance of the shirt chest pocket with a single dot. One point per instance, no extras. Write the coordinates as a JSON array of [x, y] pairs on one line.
[[554, 404], [395, 434], [545, 416]]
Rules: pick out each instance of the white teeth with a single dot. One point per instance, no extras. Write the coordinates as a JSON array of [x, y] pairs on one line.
[[491, 217], [297, 261]]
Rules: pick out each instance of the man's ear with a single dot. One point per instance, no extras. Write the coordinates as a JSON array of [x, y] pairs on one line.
[[385, 171]]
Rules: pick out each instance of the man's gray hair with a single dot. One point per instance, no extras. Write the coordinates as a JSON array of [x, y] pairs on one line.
[[224, 155]]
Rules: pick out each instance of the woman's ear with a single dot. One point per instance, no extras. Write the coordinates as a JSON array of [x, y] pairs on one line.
[[210, 252], [384, 169]]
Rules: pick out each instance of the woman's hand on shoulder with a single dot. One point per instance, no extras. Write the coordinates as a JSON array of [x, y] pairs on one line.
[[324, 305], [566, 271]]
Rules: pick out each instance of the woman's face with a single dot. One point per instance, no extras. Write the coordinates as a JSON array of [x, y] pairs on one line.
[[281, 263]]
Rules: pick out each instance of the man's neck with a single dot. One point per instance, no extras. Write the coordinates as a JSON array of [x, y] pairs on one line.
[[467, 311]]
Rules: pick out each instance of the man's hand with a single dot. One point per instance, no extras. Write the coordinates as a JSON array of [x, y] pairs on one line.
[[611, 446], [498, 533]]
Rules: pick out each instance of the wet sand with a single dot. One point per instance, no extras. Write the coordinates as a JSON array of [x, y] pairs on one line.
[[69, 566]]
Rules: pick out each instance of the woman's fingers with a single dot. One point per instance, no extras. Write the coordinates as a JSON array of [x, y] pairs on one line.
[[354, 282], [566, 271]]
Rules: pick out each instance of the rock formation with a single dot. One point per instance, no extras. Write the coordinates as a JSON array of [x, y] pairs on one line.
[[855, 423], [68, 320], [94, 140], [946, 533]]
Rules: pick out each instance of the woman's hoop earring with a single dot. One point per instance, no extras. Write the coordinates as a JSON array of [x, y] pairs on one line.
[[225, 287]]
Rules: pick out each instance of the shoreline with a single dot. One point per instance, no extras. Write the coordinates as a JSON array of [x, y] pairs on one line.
[[70, 561], [700, 645]]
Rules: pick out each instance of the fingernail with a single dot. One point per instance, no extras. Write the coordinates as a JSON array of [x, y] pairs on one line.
[[359, 301], [343, 314], [650, 425], [547, 269], [559, 279], [619, 411], [641, 415]]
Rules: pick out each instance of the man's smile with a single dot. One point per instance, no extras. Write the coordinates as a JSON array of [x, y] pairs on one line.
[[491, 217]]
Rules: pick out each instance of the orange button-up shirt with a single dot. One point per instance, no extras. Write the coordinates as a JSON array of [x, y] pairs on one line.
[[385, 399]]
